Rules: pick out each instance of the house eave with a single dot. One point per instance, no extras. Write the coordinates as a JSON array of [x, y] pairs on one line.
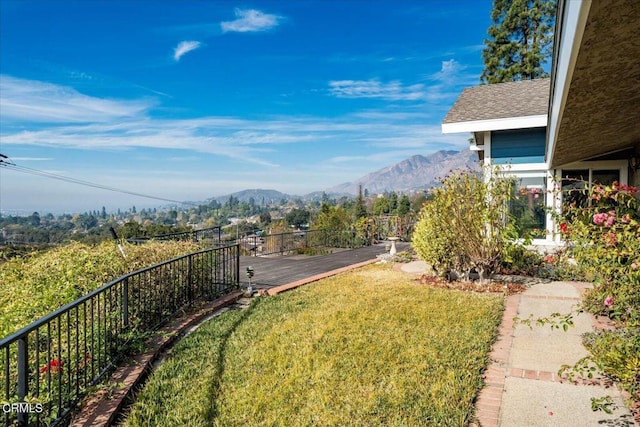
[[595, 89], [496, 124], [570, 25]]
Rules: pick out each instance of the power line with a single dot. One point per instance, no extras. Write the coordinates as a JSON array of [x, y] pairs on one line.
[[12, 166]]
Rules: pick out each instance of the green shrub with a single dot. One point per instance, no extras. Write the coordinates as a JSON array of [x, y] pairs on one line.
[[466, 226], [617, 354], [560, 266], [35, 285], [517, 259]]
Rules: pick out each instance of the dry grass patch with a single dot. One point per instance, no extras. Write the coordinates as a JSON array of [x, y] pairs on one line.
[[369, 347]]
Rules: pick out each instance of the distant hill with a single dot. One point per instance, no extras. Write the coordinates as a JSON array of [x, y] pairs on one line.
[[415, 173], [258, 195]]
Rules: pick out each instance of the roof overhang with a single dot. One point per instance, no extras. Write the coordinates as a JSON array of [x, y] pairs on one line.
[[595, 86], [496, 124]]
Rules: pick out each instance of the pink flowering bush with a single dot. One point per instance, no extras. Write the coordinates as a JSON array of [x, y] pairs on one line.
[[604, 239]]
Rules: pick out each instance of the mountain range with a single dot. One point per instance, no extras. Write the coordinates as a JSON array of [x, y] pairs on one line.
[[413, 174]]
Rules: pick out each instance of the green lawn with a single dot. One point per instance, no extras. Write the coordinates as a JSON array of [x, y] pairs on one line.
[[370, 347]]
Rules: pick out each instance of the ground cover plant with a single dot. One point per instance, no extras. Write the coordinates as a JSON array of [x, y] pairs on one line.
[[369, 347], [37, 284]]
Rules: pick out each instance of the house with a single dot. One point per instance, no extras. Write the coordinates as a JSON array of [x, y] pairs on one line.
[[582, 124]]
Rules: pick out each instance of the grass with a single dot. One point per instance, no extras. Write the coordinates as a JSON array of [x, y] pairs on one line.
[[369, 347]]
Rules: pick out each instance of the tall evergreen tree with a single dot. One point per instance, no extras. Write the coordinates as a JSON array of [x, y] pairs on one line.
[[360, 210], [520, 40]]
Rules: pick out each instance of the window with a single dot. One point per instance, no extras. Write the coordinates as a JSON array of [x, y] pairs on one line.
[[528, 206], [574, 182]]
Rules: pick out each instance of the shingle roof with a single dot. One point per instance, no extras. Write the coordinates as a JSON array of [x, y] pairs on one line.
[[500, 101]]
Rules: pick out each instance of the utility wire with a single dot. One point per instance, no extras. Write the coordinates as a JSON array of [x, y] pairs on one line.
[[4, 162]]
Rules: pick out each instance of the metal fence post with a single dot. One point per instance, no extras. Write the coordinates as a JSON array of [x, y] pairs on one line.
[[190, 279], [125, 302], [23, 377], [237, 278]]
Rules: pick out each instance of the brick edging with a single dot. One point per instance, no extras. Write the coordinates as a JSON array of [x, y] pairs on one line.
[[103, 408], [489, 399], [287, 287]]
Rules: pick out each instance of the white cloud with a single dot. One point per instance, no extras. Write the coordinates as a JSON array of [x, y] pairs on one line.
[[250, 20], [185, 47], [448, 71], [453, 73], [258, 142], [35, 101], [373, 88]]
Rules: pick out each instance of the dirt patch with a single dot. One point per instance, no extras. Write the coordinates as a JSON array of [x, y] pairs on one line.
[[507, 288]]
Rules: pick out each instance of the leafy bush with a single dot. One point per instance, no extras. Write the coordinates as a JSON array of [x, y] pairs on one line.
[[561, 266], [617, 354], [466, 226], [35, 285], [517, 259]]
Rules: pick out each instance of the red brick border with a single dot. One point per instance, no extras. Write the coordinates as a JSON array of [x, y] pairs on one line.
[[490, 397], [103, 408]]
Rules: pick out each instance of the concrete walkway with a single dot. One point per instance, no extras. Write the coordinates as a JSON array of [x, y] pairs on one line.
[[522, 383], [522, 387]]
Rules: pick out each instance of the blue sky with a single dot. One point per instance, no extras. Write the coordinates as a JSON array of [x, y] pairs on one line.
[[187, 100]]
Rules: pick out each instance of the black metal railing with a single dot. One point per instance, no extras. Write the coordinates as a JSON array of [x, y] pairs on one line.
[[299, 242], [384, 226], [49, 365], [212, 235]]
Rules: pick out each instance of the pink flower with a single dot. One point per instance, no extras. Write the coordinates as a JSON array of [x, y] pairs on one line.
[[608, 301], [599, 218], [634, 265], [605, 218], [549, 259]]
